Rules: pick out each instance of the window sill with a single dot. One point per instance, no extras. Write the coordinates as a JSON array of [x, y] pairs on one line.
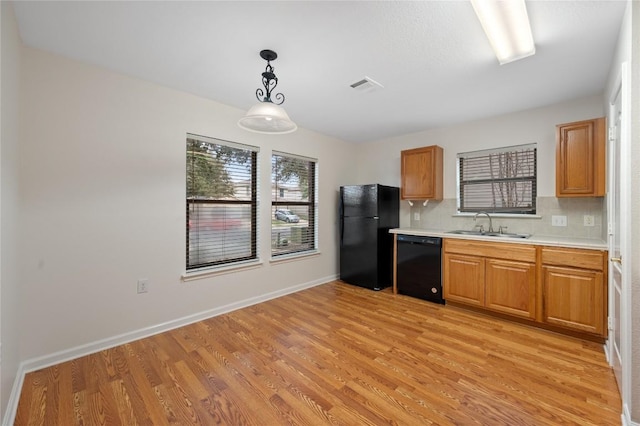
[[505, 215], [293, 257], [220, 270]]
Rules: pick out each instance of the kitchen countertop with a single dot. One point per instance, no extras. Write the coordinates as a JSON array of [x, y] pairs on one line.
[[585, 243]]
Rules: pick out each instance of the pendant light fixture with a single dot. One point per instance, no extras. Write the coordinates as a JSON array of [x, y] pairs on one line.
[[268, 116]]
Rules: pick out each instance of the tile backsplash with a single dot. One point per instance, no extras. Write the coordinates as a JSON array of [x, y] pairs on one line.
[[441, 215]]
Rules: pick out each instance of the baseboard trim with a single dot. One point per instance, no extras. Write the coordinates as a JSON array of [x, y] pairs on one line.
[[14, 397], [626, 417], [68, 354], [607, 356]]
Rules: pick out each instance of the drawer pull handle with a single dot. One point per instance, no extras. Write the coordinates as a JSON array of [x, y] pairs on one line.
[[617, 259]]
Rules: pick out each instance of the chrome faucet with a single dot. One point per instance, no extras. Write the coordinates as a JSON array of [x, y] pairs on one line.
[[489, 217]]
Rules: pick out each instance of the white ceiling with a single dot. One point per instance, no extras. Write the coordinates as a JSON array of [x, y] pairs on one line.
[[432, 57]]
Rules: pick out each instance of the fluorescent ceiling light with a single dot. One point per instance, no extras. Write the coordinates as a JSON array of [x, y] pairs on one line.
[[506, 24]]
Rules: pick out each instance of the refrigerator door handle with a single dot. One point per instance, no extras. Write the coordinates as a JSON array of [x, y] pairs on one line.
[[340, 212]]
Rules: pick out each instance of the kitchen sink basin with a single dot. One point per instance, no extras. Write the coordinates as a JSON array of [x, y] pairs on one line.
[[489, 234], [461, 232]]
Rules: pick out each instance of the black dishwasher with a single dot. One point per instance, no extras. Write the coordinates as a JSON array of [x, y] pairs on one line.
[[419, 269]]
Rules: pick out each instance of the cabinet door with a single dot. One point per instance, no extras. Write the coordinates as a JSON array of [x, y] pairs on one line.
[[580, 159], [464, 279], [511, 287], [574, 299], [421, 173]]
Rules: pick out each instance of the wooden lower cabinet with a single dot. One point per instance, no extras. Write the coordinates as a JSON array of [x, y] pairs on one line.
[[464, 276], [475, 275], [511, 287], [554, 287], [574, 299]]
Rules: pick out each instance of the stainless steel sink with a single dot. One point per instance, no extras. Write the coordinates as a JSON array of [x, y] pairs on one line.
[[507, 235], [462, 232], [489, 234]]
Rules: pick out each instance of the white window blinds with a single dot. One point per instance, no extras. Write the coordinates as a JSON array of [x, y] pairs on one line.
[[499, 181]]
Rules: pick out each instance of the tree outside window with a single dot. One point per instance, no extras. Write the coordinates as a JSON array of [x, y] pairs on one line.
[[293, 204], [498, 181]]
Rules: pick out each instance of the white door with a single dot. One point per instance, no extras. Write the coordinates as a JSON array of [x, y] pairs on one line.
[[619, 195], [615, 268]]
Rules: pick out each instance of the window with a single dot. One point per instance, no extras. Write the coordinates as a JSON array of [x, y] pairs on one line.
[[498, 181], [221, 202], [293, 204]]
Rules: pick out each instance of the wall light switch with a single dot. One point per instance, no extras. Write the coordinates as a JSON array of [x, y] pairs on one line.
[[589, 220], [558, 221], [143, 285]]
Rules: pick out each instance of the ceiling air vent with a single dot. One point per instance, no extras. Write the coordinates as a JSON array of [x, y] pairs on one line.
[[366, 85]]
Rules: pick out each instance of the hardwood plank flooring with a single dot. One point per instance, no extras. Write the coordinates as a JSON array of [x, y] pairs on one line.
[[333, 354]]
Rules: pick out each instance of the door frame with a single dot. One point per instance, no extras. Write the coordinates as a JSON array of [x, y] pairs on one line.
[[623, 87]]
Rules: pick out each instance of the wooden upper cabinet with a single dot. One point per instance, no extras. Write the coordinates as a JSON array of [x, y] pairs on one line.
[[580, 158], [421, 170]]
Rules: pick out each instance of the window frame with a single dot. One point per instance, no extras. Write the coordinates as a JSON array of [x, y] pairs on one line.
[[253, 202], [532, 179], [312, 205]]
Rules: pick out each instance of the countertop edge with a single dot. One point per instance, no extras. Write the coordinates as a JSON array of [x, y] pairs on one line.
[[584, 243]]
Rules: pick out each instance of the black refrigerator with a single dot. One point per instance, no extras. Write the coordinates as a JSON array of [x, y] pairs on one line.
[[367, 212]]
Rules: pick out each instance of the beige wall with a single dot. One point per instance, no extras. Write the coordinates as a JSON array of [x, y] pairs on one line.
[[102, 167], [9, 283], [538, 125]]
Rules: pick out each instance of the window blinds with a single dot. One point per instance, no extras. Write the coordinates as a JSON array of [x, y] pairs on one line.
[[221, 202], [293, 204], [500, 181]]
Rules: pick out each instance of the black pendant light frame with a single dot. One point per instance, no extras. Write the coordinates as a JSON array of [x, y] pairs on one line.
[[269, 79]]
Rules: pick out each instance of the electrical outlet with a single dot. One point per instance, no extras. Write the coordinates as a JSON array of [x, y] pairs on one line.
[[416, 216], [589, 220], [143, 285], [558, 221]]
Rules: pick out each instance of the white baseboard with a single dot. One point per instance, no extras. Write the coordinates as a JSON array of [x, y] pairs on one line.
[[626, 417], [100, 345], [607, 355], [14, 398]]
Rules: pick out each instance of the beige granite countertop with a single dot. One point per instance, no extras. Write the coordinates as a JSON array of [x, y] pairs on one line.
[[585, 243]]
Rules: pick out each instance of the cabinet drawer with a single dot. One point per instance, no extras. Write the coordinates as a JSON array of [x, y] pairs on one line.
[[576, 258], [518, 252]]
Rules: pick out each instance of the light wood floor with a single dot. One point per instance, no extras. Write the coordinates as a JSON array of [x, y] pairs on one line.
[[333, 354]]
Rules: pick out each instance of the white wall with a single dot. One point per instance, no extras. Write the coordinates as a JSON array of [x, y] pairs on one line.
[[538, 125], [9, 284], [102, 166]]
